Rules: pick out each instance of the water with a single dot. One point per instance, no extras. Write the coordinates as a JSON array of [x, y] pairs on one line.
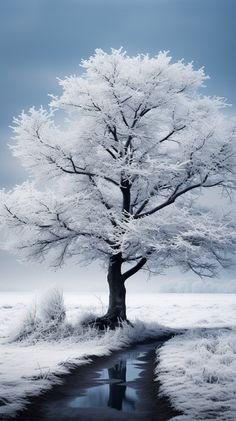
[[114, 389], [117, 387]]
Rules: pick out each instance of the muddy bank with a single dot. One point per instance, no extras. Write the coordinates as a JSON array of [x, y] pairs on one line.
[[118, 387]]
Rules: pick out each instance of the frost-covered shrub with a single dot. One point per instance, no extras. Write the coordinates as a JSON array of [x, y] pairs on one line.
[[52, 307], [27, 325], [46, 320]]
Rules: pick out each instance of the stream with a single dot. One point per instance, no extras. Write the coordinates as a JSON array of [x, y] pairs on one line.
[[117, 387]]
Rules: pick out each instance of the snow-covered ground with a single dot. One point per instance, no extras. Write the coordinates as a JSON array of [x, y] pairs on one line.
[[197, 372], [30, 366]]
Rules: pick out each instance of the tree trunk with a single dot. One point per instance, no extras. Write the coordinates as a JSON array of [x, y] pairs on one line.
[[117, 291], [116, 312]]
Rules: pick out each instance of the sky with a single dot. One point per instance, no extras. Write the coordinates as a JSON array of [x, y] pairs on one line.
[[41, 40]]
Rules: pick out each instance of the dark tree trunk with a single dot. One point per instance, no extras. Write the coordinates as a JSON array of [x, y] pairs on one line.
[[117, 291], [116, 313]]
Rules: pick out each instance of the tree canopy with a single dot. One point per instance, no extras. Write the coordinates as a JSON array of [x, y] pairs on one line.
[[123, 171]]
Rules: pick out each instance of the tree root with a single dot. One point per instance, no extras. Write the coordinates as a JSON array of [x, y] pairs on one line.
[[107, 322]]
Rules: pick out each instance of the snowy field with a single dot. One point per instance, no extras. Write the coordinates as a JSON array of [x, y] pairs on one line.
[[197, 369]]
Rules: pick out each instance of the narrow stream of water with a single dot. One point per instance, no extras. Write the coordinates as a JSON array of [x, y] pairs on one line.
[[117, 387]]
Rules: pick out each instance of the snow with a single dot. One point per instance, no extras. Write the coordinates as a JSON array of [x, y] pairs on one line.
[[197, 372], [29, 367]]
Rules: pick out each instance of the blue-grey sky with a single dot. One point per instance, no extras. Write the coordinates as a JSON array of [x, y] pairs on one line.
[[44, 39]]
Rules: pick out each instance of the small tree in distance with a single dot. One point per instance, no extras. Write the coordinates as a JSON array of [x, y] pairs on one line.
[[119, 179]]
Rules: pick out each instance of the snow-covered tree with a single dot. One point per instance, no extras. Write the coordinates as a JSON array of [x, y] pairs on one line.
[[119, 179]]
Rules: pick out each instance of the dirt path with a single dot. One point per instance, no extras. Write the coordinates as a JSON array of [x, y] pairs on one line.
[[118, 387]]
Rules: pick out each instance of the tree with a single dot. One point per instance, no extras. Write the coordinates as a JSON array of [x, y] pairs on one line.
[[119, 179]]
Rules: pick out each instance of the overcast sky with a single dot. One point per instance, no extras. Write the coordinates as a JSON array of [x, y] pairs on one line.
[[41, 40]]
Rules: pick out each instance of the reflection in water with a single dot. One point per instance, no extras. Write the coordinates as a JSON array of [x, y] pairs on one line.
[[115, 393], [118, 398]]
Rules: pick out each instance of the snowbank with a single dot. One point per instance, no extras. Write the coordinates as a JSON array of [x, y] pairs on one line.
[[197, 371]]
